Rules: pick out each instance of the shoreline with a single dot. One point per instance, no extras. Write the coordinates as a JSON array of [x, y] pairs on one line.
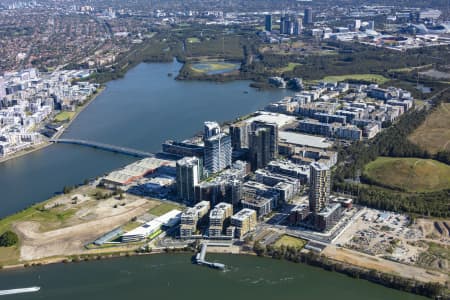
[[46, 143], [385, 279]]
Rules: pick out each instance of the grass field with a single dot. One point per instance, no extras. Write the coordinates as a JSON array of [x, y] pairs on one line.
[[290, 67], [410, 174], [213, 66], [434, 134], [130, 226], [289, 241], [405, 70], [163, 208], [193, 40], [64, 116], [9, 255], [366, 77], [435, 257]]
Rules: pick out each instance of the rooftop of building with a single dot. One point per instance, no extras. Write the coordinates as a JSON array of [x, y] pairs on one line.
[[328, 210], [217, 213], [244, 214], [319, 166], [303, 140], [268, 117], [188, 161], [288, 165], [137, 169]]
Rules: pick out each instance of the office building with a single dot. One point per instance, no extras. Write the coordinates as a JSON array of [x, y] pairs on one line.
[[268, 23], [188, 176], [263, 144], [217, 153], [319, 188], [244, 221], [308, 16]]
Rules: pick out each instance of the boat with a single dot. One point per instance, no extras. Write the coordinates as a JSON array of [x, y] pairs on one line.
[[20, 291]]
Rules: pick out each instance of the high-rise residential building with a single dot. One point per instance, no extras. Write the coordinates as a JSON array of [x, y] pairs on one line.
[[284, 23], [357, 24], [259, 148], [308, 16], [189, 173], [217, 153], [239, 135], [319, 187], [298, 26], [263, 144], [210, 129], [2, 88], [268, 23]]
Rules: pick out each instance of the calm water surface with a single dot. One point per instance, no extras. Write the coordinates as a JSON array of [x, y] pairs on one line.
[[168, 276]]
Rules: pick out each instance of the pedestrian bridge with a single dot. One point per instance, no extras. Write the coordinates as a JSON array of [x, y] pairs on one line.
[[103, 146]]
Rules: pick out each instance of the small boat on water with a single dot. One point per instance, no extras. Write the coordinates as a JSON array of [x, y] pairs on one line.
[[20, 291]]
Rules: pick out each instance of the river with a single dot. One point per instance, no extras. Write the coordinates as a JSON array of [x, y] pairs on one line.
[[172, 276], [140, 111]]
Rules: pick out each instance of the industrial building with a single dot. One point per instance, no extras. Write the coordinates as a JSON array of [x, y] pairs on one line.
[[134, 171]]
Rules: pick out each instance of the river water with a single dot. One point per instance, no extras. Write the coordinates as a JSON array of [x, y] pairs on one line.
[[172, 276], [139, 111]]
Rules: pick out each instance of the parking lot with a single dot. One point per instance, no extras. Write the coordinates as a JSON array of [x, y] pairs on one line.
[[383, 234]]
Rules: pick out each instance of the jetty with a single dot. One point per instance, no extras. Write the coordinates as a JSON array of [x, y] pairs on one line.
[[200, 259]]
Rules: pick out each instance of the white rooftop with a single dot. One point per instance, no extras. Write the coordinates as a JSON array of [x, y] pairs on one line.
[[269, 117], [303, 139]]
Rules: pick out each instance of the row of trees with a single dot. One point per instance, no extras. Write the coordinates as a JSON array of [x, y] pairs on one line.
[[295, 254]]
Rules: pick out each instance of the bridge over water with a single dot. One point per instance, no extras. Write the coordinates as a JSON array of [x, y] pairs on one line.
[[103, 146]]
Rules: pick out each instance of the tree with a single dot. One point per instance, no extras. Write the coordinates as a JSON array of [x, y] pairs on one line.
[[8, 239]]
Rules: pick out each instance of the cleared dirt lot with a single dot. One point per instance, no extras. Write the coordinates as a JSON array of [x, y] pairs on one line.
[[66, 223], [366, 261], [69, 240]]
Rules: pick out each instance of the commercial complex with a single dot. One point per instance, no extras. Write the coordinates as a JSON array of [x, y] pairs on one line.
[[153, 227]]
